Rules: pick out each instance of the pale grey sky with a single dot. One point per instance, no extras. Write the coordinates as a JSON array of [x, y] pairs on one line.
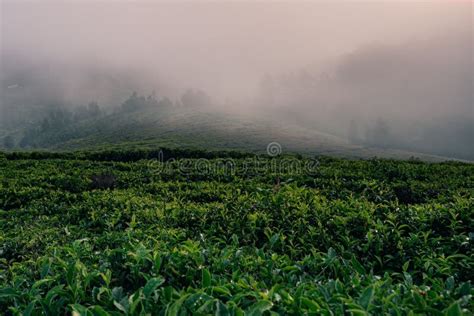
[[221, 46]]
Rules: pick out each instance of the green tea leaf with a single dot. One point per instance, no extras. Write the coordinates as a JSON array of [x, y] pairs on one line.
[[152, 285], [258, 308], [206, 278], [366, 297], [453, 310]]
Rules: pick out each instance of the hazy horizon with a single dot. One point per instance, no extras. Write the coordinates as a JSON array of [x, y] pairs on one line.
[[319, 64]]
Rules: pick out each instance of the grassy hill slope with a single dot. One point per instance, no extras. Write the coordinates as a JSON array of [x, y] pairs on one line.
[[194, 128]]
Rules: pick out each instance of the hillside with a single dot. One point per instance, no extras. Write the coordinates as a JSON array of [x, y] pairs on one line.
[[195, 128]]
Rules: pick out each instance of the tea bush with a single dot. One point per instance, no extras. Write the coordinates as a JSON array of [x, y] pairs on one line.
[[365, 237]]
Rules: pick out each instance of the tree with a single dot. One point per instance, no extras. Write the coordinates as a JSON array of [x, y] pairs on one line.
[[45, 125], [132, 103], [195, 99], [165, 103], [24, 141], [93, 109], [58, 118], [8, 142], [151, 101], [86, 112], [136, 102], [379, 134]]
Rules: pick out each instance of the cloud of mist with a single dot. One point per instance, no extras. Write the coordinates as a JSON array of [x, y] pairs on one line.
[[223, 47], [325, 63]]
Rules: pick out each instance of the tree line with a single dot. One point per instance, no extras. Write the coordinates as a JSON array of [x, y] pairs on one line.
[[57, 117]]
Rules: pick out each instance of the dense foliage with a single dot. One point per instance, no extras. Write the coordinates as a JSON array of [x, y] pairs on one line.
[[99, 235], [53, 123]]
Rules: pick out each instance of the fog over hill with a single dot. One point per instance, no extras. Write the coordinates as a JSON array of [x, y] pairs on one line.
[[383, 75]]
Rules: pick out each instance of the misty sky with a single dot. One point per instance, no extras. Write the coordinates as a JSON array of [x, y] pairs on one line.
[[222, 47]]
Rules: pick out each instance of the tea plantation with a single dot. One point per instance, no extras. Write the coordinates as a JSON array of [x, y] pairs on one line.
[[123, 233]]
